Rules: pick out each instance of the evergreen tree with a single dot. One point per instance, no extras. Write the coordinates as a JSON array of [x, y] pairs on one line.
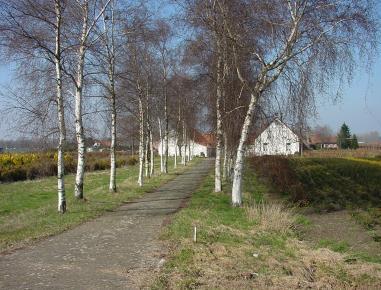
[[344, 137], [355, 143]]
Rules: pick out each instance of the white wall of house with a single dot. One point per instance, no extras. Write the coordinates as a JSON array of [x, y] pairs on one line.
[[195, 148], [276, 139]]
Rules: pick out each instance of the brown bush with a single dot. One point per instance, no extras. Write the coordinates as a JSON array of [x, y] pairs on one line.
[[278, 172], [132, 160]]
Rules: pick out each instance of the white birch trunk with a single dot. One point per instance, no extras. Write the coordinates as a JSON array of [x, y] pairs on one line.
[[112, 187], [86, 29], [166, 133], [141, 143], [61, 113], [152, 159], [177, 137], [78, 190], [146, 148], [217, 177], [185, 145], [189, 149], [239, 162], [175, 161], [217, 171], [161, 146], [110, 49]]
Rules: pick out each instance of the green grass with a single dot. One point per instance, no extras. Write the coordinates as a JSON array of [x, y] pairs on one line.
[[28, 209], [336, 246], [212, 214]]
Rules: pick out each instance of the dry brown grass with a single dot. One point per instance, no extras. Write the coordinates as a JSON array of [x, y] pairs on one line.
[[271, 217], [224, 266]]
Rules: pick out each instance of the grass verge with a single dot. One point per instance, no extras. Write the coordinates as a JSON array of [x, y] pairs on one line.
[[28, 209], [253, 247]]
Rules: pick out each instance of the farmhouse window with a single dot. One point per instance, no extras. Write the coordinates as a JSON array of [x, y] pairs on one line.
[[265, 147]]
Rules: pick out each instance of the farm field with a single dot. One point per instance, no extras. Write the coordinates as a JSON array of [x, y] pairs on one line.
[[28, 209], [280, 239]]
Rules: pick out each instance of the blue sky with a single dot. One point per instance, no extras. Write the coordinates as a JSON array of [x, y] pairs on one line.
[[360, 106]]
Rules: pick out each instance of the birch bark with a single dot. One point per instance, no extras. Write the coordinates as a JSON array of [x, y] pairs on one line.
[[141, 142], [110, 50], [217, 179], [112, 186], [61, 113], [152, 159], [166, 128], [86, 29], [183, 156], [161, 145], [177, 136], [238, 168], [146, 149], [78, 190]]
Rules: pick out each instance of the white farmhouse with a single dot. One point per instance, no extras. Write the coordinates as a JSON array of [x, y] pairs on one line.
[[276, 139], [202, 145]]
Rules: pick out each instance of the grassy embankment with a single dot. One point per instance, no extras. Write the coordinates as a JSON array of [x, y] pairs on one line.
[[329, 184], [255, 247], [28, 209], [324, 183]]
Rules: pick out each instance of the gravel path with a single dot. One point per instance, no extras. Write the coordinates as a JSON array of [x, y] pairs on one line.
[[119, 250]]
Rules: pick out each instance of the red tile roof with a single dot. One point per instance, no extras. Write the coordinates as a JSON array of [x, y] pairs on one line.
[[206, 139]]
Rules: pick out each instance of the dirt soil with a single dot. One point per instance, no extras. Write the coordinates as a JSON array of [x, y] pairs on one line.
[[119, 250], [339, 226]]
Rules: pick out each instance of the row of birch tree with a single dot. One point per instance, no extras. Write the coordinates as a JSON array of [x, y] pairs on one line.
[[234, 62], [77, 59], [276, 55]]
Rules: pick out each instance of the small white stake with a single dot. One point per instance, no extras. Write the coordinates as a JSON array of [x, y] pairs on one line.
[[195, 235]]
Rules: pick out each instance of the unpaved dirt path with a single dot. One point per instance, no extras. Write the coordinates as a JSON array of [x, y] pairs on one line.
[[119, 250]]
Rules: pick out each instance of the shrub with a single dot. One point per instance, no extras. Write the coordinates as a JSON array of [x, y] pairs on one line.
[[21, 166], [13, 174], [132, 160]]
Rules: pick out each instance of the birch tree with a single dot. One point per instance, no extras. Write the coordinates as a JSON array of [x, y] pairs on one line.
[[323, 35], [108, 41], [162, 39], [88, 24], [38, 27]]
